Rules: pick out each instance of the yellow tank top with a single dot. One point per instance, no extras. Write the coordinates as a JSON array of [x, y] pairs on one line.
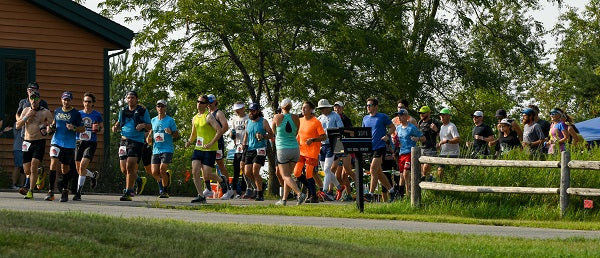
[[204, 132]]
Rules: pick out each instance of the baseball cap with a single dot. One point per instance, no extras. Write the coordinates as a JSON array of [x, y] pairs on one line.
[[131, 92], [445, 111], [211, 98], [501, 113], [477, 113], [285, 102], [33, 85], [401, 112], [424, 109], [339, 103], [238, 106], [67, 95], [555, 111], [162, 102], [254, 106], [505, 121], [528, 111]]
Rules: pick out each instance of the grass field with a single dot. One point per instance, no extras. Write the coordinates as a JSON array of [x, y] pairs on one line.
[[27, 234]]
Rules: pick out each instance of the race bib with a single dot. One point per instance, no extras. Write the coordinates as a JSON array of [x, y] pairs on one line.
[[159, 137], [25, 146], [261, 152], [239, 149], [86, 136], [122, 151], [219, 154], [54, 151], [199, 142]]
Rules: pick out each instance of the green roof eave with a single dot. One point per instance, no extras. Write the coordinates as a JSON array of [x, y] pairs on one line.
[[88, 19]]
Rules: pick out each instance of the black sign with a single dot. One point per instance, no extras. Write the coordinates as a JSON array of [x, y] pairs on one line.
[[356, 139]]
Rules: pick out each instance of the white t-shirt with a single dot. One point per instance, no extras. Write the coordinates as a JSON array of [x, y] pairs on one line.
[[449, 132], [239, 125]]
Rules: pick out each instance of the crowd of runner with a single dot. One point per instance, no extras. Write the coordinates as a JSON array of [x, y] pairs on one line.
[[302, 145]]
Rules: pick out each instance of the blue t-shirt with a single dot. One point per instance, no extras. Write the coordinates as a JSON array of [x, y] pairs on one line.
[[404, 135], [163, 142], [64, 137], [88, 120], [251, 129], [379, 124], [128, 130]]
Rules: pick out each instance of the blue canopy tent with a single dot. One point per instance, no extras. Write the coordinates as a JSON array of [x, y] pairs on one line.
[[590, 130]]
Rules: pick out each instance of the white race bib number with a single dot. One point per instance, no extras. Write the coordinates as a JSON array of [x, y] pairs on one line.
[[219, 154], [122, 151], [261, 152], [199, 142], [239, 149], [54, 151], [86, 136], [159, 137], [25, 146]]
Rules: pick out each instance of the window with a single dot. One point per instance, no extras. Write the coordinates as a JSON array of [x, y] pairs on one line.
[[17, 69]]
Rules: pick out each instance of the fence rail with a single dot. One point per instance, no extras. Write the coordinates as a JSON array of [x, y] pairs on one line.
[[565, 165]]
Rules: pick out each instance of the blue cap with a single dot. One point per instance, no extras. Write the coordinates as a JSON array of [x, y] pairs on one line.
[[67, 95], [528, 111], [254, 106], [401, 112], [211, 98]]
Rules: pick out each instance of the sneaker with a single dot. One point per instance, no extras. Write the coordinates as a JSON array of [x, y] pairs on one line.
[[312, 199], [64, 196], [247, 194], [339, 192], [260, 198], [347, 198], [301, 198], [329, 196], [77, 196], [125, 197], [41, 180], [94, 180], [199, 199], [14, 187], [368, 197], [49, 196], [141, 184], [281, 203], [208, 192], [29, 195], [392, 197], [228, 195], [163, 195], [23, 190]]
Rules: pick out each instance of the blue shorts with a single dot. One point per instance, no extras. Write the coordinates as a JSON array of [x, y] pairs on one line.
[[18, 158], [207, 158], [326, 152]]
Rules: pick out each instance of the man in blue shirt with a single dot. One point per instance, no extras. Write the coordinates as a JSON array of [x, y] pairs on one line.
[[381, 128], [161, 138], [134, 120], [408, 136], [67, 123], [87, 142]]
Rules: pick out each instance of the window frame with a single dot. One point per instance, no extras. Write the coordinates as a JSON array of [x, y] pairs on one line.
[[26, 54]]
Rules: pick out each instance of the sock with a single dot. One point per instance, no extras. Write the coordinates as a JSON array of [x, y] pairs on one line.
[[64, 183], [89, 173], [80, 183], [312, 186], [52, 180], [207, 184], [303, 180], [160, 186]]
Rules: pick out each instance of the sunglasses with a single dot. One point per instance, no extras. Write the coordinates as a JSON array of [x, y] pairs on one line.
[[160, 106], [34, 98], [370, 105], [87, 101], [201, 102]]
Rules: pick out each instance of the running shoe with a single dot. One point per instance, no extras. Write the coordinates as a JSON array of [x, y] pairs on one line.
[[301, 198], [259, 198], [41, 180], [281, 203], [94, 179], [77, 196], [14, 187], [338, 194], [141, 184], [347, 198], [170, 176], [199, 199], [49, 196], [23, 190], [312, 199], [392, 197], [29, 195], [208, 193], [248, 194], [228, 195], [163, 195], [125, 197], [64, 196]]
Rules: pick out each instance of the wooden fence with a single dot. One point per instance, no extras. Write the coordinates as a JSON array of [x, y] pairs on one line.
[[565, 165]]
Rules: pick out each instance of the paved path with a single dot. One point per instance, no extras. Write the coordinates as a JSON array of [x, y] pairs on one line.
[[111, 206]]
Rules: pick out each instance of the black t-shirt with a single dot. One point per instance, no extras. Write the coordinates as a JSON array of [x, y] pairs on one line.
[[545, 126], [346, 120], [430, 134], [506, 143], [480, 146]]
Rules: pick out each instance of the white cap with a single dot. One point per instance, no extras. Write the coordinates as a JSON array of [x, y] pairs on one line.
[[339, 103], [323, 103], [478, 113], [238, 106], [285, 102]]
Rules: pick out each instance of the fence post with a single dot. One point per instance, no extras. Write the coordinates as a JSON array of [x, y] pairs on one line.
[[565, 181], [415, 177]]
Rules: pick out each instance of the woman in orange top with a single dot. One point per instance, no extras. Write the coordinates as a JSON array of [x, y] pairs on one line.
[[310, 135]]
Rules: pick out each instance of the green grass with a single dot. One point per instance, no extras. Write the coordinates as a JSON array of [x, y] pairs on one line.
[[28, 234]]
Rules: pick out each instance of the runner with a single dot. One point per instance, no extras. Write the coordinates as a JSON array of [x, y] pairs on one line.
[[258, 132], [220, 158], [67, 121], [133, 121], [288, 152], [408, 136], [36, 121], [237, 135], [87, 142], [449, 139], [205, 134], [329, 119], [164, 131], [343, 164], [430, 129]]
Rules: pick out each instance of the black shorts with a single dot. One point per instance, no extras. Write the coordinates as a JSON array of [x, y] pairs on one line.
[[252, 158], [378, 153], [36, 150], [129, 148], [147, 155], [207, 158], [163, 158], [85, 149], [65, 155]]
